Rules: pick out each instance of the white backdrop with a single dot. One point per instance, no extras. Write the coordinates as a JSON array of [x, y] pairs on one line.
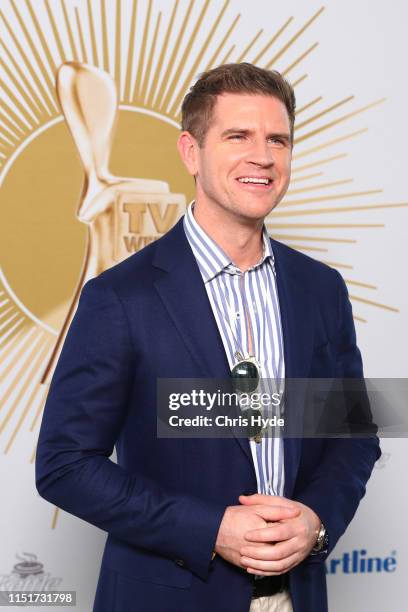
[[362, 52]]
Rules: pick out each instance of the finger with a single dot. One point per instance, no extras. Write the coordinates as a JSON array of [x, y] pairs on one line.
[[277, 532], [264, 552], [271, 552], [276, 513], [260, 572], [277, 567], [256, 572], [270, 500]]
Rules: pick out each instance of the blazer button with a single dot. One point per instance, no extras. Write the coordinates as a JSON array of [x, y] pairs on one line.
[[179, 562]]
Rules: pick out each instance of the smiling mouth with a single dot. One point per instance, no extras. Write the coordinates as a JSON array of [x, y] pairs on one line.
[[258, 182]]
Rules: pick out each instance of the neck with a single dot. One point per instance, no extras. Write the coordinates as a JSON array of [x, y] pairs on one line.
[[240, 239]]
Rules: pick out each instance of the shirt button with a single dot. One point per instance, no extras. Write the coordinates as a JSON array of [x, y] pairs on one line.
[[179, 562]]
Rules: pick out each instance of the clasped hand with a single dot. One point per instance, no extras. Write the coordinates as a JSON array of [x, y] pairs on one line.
[[267, 535]]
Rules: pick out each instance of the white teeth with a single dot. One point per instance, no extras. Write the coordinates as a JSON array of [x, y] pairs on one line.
[[247, 179]]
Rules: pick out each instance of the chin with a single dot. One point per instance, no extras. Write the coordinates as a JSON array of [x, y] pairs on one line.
[[253, 215], [258, 212]]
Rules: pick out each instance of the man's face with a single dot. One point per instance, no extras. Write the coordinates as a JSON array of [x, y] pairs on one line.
[[243, 166]]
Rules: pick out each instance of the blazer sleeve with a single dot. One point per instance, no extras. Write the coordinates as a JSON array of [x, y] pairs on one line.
[[337, 486], [86, 407]]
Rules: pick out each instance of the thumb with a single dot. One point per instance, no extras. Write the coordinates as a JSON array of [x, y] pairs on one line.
[[250, 500]]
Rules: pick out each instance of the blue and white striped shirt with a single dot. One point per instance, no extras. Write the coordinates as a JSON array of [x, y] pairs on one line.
[[232, 293]]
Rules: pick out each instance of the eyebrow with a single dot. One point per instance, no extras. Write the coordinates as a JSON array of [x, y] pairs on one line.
[[230, 131]]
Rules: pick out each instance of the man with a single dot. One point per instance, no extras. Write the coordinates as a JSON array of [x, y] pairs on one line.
[[208, 524]]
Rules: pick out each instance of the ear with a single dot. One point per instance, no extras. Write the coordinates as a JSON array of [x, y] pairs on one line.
[[188, 149]]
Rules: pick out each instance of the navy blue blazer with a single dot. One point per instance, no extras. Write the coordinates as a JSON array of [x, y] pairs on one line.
[[162, 503]]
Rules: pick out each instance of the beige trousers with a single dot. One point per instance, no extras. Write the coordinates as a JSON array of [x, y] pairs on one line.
[[281, 602]]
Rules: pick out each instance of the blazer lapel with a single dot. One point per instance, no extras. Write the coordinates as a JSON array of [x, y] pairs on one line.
[[184, 295], [298, 329]]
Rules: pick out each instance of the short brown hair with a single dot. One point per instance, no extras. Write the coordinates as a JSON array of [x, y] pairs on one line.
[[198, 104]]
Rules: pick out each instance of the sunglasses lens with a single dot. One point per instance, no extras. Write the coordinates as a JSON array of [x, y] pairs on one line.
[[245, 376]]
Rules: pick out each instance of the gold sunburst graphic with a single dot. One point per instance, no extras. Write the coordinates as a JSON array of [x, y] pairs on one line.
[[153, 56]]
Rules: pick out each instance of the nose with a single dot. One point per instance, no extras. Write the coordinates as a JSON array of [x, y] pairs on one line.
[[261, 153]]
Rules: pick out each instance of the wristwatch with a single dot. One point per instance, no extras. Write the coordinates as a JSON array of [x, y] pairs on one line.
[[322, 541]]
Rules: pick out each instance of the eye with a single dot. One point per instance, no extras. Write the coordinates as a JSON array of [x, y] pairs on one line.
[[276, 140], [236, 137]]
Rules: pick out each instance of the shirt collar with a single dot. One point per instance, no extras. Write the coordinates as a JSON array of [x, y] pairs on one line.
[[211, 259]]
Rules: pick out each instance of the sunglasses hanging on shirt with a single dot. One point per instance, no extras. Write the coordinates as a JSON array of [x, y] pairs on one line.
[[245, 375]]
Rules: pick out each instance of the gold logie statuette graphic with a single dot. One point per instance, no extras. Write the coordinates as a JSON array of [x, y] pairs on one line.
[[122, 214]]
